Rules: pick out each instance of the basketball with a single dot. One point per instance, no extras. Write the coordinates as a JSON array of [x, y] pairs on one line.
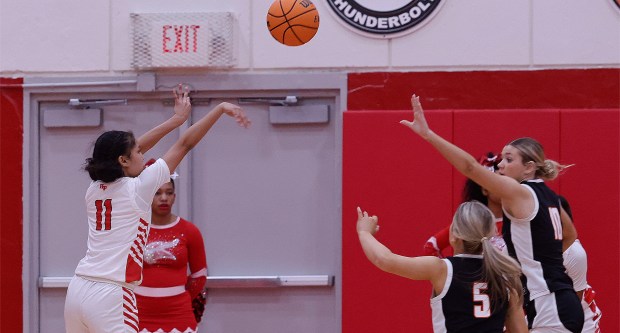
[[293, 22]]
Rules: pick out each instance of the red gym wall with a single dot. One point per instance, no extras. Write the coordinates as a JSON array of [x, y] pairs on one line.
[[11, 142], [389, 171]]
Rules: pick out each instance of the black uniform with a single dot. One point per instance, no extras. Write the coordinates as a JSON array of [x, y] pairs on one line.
[[536, 242], [464, 304]]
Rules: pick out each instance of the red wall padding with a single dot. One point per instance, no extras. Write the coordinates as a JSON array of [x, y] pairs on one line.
[[590, 141], [391, 172], [11, 243]]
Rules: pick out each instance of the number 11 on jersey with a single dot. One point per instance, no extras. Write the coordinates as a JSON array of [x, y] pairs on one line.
[[104, 219]]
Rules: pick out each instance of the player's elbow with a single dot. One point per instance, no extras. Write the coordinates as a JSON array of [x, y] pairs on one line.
[[184, 145]]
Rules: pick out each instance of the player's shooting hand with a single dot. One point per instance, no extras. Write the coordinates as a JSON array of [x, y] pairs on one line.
[[236, 112], [367, 223], [182, 102], [419, 124]]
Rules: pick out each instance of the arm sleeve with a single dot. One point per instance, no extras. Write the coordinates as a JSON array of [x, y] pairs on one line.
[[197, 260], [149, 181], [195, 285], [443, 238], [437, 243]]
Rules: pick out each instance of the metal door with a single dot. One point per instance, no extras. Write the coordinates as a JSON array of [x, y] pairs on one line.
[[265, 198]]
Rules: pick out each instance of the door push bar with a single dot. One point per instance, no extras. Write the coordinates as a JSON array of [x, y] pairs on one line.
[[227, 282]]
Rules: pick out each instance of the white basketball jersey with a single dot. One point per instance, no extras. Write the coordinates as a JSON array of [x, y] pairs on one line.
[[119, 216]]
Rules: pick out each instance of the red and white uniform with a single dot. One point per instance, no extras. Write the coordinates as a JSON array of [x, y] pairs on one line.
[[119, 214], [166, 293]]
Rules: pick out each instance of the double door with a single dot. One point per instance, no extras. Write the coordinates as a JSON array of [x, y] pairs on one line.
[[266, 199]]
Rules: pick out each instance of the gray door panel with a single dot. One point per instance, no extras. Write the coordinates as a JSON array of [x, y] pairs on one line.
[[265, 198], [266, 201]]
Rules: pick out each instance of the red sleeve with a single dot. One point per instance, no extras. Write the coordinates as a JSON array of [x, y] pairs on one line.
[[197, 261], [443, 238], [196, 256], [195, 285], [437, 243]]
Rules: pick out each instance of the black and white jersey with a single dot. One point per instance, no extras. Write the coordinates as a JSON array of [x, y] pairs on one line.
[[536, 242], [464, 305]]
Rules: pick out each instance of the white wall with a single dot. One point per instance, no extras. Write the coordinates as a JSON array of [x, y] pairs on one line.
[[71, 37]]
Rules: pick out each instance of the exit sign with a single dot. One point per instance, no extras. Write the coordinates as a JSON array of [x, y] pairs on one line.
[[165, 40]]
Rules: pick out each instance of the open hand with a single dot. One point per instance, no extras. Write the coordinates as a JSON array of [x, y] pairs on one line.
[[236, 112], [182, 103], [419, 124], [367, 223]]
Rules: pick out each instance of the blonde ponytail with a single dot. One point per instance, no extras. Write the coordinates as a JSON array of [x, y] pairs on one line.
[[501, 273], [474, 223], [532, 151]]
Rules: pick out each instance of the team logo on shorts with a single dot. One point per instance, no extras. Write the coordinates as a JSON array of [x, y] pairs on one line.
[[385, 18]]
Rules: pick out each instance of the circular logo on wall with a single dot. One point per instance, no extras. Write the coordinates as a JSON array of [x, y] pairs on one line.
[[385, 18]]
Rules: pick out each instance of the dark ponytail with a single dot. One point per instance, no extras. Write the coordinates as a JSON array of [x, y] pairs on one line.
[[103, 165]]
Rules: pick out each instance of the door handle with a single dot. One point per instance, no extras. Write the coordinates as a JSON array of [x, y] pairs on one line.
[[229, 282]]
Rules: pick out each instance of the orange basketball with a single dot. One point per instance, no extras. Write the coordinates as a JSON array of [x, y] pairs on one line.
[[293, 22]]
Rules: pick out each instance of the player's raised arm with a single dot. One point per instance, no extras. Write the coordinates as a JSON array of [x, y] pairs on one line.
[[506, 188], [418, 268], [182, 109], [197, 131]]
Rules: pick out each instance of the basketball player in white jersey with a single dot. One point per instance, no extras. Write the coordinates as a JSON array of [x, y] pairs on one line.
[[532, 227], [100, 297]]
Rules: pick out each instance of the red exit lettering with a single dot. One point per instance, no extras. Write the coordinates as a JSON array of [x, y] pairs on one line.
[[180, 38]]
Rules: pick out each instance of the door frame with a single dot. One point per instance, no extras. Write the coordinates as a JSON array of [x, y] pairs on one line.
[[155, 86]]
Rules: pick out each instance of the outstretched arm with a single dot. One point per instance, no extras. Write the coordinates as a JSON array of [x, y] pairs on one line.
[[182, 109], [513, 195], [197, 131], [418, 268]]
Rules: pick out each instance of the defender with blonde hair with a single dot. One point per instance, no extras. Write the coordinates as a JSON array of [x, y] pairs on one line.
[[532, 227], [476, 290]]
